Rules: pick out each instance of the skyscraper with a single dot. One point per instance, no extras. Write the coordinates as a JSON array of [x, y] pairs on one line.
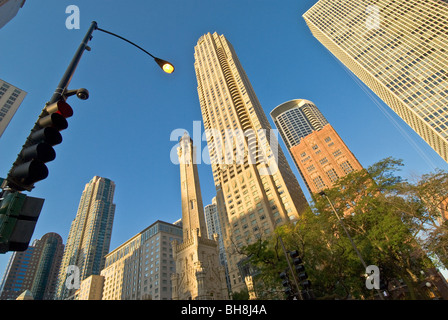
[[90, 233], [199, 274], [260, 191], [321, 156], [398, 49], [34, 270], [19, 274], [50, 249], [10, 99]]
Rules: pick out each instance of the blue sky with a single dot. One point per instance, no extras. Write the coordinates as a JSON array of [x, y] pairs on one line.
[[123, 130]]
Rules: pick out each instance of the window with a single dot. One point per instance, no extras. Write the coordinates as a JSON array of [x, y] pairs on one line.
[[332, 175], [347, 167], [337, 153], [319, 183]]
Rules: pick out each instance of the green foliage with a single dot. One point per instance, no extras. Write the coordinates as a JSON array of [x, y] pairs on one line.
[[242, 295], [384, 215]]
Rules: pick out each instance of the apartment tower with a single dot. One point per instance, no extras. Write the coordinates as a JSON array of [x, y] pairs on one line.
[[141, 268], [321, 156], [259, 189], [89, 237], [399, 50], [199, 274]]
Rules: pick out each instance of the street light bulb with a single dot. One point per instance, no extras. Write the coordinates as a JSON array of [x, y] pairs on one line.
[[165, 65], [168, 68]]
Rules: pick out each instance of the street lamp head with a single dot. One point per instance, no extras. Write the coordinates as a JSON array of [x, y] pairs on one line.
[[165, 65], [322, 193]]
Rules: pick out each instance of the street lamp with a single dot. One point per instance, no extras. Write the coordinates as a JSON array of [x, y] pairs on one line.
[[323, 194], [165, 65], [62, 87], [38, 171], [18, 212]]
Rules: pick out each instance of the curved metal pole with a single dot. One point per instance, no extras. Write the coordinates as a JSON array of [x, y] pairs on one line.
[[116, 35]]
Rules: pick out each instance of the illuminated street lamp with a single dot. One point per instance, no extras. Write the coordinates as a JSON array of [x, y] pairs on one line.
[[18, 212]]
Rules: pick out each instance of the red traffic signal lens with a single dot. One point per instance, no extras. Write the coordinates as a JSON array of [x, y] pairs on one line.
[[61, 107]]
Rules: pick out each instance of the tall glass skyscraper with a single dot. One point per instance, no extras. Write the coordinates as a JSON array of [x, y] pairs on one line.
[[296, 119], [34, 270], [90, 233], [260, 191], [51, 249], [399, 50]]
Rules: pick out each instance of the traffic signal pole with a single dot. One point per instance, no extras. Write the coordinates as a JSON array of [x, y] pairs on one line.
[[290, 268], [67, 77], [18, 212], [11, 184]]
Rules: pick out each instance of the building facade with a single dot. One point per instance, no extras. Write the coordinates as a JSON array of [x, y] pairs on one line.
[[51, 249], [90, 233], [213, 223], [9, 9], [140, 269], [19, 274], [10, 99], [260, 191], [34, 270], [397, 49], [199, 273], [321, 156], [91, 288]]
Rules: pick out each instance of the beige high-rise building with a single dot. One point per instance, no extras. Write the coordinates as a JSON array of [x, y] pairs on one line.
[[199, 274], [91, 288], [259, 189], [141, 268], [399, 50]]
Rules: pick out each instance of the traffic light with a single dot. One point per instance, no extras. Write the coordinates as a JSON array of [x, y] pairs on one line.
[[38, 149], [305, 284], [287, 284], [18, 218]]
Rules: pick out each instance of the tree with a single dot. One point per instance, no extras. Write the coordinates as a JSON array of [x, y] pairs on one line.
[[383, 213]]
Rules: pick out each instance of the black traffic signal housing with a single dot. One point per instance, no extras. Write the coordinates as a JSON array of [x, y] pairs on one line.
[[30, 167], [305, 284], [18, 218], [288, 290]]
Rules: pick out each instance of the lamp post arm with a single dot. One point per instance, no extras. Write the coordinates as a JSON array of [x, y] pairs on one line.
[[135, 45]]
